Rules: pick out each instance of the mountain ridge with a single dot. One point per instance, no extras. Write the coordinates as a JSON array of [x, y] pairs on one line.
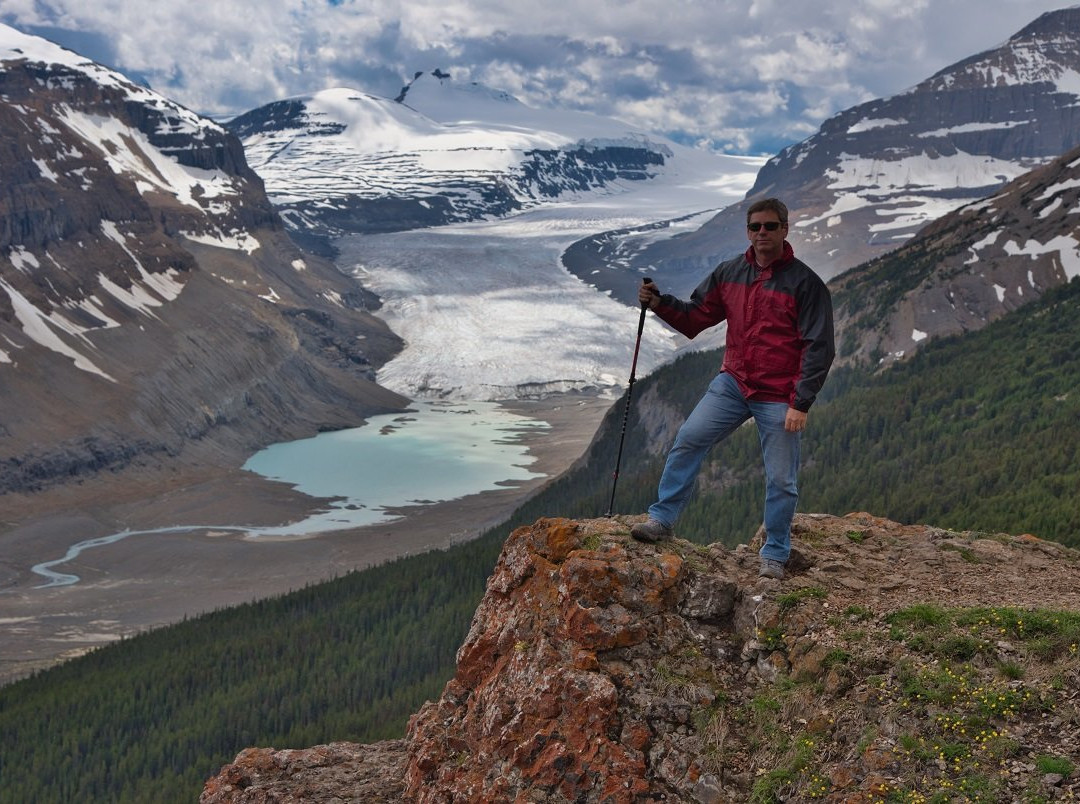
[[152, 307], [965, 269], [875, 173]]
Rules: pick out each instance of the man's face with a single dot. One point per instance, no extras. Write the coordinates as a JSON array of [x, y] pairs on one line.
[[768, 245]]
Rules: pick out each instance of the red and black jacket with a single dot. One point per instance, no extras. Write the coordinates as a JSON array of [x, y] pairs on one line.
[[780, 341]]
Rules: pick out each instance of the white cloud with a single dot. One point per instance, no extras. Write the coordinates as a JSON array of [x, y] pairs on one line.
[[743, 76]]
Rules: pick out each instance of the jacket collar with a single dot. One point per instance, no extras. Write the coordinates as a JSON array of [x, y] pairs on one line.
[[779, 262]]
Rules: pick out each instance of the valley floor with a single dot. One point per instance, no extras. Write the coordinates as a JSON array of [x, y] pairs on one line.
[[143, 582]]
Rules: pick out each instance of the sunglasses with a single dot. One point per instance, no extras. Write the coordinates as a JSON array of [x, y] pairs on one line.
[[770, 226]]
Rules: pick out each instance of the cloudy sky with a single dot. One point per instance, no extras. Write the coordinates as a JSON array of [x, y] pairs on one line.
[[747, 77]]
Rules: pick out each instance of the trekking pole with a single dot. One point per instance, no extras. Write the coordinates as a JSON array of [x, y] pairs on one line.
[[629, 392]]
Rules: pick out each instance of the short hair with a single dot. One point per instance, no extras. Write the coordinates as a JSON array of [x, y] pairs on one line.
[[768, 205]]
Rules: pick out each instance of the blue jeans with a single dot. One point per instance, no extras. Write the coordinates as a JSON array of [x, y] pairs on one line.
[[718, 415]]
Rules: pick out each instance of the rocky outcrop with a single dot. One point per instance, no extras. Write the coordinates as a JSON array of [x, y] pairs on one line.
[[599, 669], [338, 772]]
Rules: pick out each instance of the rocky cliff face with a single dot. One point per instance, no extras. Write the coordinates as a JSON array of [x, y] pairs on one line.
[[965, 270], [151, 304], [894, 660], [876, 173]]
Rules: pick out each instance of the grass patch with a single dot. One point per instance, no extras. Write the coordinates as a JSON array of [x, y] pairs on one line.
[[772, 638], [921, 615], [764, 704], [835, 657], [959, 697], [961, 634], [858, 613], [1011, 670], [790, 600], [960, 646], [1046, 634], [1047, 763], [668, 679], [767, 788], [965, 552], [592, 542]]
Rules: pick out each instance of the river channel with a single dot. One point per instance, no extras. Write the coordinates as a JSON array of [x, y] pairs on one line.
[[434, 452]]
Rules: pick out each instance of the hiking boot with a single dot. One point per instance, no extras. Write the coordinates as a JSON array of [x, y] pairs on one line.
[[771, 568], [651, 531]]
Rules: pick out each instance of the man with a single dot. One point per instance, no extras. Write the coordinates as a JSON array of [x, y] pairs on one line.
[[779, 350]]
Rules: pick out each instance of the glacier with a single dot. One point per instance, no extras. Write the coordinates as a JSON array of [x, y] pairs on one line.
[[488, 311]]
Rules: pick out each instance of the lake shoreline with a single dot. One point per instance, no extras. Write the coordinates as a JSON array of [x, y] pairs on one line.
[[144, 582]]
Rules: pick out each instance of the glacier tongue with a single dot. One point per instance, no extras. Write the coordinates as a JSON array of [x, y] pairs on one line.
[[488, 312]]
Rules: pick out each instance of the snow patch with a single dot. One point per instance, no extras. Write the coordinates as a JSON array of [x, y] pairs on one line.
[[39, 328], [870, 124], [975, 248], [911, 185], [1065, 246], [128, 152], [1069, 82], [166, 285], [17, 46], [922, 172], [845, 202], [46, 171], [238, 240], [969, 128], [92, 306], [1056, 189], [22, 259], [1046, 211]]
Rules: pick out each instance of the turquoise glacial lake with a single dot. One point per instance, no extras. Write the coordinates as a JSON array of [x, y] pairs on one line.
[[436, 452]]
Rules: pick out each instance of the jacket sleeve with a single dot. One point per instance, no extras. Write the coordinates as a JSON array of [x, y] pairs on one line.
[[818, 343], [705, 308]]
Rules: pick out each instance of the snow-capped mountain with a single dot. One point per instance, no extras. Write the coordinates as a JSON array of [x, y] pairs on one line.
[[150, 303], [343, 161], [876, 173], [966, 269]]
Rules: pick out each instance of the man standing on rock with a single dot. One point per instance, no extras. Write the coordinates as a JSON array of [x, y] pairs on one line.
[[778, 352]]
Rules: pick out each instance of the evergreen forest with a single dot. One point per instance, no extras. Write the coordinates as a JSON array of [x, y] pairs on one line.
[[972, 433]]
